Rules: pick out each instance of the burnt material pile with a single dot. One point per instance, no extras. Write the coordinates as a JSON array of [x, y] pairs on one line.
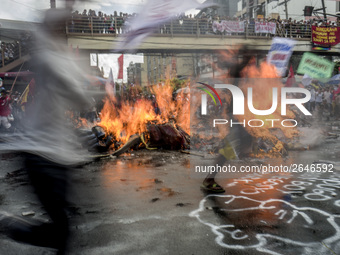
[[167, 136], [96, 140], [158, 136]]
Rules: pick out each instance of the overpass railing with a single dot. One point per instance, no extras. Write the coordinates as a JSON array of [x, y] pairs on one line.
[[188, 27], [9, 53]]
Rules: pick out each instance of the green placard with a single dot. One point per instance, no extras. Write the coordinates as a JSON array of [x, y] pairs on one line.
[[315, 66]]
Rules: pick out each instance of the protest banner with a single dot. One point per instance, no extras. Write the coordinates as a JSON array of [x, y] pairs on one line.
[[315, 66], [279, 54], [325, 36], [265, 27], [228, 26]]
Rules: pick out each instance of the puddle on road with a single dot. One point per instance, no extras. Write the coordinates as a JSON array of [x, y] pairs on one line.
[[144, 171]]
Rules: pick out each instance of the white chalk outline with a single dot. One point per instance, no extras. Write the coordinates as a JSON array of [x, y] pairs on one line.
[[262, 238]]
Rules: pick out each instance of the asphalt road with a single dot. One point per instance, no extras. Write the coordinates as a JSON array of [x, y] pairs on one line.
[[150, 202]]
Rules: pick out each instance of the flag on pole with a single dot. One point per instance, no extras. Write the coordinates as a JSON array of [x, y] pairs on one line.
[[120, 67], [154, 14], [110, 85], [27, 95], [291, 77]]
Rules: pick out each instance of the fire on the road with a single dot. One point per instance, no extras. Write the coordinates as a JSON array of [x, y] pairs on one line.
[[132, 117], [128, 117]]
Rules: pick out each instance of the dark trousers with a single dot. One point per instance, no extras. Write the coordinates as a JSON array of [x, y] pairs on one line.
[[50, 184]]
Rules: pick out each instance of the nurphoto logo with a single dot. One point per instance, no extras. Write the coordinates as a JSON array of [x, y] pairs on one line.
[[238, 104]]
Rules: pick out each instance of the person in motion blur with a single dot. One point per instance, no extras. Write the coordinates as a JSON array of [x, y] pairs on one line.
[[49, 142], [238, 143]]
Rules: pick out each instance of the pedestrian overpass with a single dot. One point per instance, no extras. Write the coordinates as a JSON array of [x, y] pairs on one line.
[[185, 35], [172, 38], [187, 43]]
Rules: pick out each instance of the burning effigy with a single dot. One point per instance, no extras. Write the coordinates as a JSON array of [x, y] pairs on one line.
[[176, 119]]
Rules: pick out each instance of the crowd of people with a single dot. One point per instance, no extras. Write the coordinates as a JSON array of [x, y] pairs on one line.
[[5, 109], [11, 110], [92, 22], [284, 27], [11, 50], [324, 100]]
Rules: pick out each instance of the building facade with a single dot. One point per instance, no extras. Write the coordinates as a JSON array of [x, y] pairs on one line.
[[158, 67], [225, 8], [258, 9]]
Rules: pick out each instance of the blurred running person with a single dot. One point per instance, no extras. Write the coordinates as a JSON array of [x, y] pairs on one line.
[[49, 140]]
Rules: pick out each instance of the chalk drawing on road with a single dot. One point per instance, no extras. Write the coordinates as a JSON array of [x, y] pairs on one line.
[[318, 190], [247, 223]]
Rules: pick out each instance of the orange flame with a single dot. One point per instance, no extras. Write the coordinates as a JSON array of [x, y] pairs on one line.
[[132, 118], [262, 100]]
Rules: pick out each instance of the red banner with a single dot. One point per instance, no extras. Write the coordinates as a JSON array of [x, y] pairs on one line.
[[120, 67], [327, 36]]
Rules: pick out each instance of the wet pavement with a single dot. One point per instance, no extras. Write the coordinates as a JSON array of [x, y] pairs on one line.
[[149, 202]]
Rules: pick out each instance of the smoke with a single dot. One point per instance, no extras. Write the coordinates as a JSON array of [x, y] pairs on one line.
[[311, 137]]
